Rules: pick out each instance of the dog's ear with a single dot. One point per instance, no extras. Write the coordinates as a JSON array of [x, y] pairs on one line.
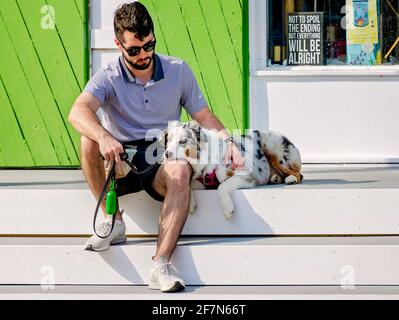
[[163, 138], [193, 125], [203, 136]]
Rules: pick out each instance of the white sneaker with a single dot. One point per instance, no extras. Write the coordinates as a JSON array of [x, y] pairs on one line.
[[118, 235], [163, 276]]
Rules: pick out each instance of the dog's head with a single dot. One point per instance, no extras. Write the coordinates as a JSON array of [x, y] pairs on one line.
[[182, 140]]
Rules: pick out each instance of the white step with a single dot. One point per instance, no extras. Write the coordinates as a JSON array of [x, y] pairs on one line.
[[206, 261], [333, 200], [230, 293]]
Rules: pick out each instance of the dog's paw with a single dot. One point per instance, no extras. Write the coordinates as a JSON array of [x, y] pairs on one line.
[[291, 180], [275, 179], [228, 208], [228, 214]]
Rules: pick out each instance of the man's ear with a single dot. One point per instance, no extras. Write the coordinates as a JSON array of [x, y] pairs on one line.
[[117, 43]]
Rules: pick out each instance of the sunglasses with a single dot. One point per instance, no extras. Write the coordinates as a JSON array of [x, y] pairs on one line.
[[135, 50]]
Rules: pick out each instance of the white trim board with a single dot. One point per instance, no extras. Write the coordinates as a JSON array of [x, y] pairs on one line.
[[258, 211], [130, 292], [206, 261], [332, 199]]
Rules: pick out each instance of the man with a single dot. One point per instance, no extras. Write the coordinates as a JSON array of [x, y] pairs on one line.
[[138, 92]]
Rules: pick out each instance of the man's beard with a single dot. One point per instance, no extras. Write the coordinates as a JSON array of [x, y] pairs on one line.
[[140, 66]]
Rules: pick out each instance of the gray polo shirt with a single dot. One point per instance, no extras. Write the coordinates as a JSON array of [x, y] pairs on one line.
[[130, 109]]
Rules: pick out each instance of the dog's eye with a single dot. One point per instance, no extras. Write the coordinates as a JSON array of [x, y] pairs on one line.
[[183, 141]]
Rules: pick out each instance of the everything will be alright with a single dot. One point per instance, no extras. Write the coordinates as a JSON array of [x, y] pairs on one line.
[[304, 39]]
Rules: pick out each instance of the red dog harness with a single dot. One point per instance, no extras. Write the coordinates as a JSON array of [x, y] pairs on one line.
[[209, 180]]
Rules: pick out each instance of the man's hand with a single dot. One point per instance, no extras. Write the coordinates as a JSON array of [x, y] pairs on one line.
[[233, 156], [110, 148]]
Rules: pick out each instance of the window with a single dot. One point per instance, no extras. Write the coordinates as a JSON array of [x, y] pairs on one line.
[[333, 32]]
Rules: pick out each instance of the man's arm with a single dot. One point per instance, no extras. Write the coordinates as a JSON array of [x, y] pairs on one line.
[[83, 118], [208, 120]]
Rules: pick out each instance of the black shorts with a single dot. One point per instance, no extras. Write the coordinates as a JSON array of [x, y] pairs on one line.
[[132, 182]]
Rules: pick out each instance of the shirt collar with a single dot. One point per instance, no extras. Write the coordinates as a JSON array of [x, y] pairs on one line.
[[158, 70], [156, 76]]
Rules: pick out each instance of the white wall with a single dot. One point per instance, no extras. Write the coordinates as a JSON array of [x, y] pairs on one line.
[[333, 114], [102, 32]]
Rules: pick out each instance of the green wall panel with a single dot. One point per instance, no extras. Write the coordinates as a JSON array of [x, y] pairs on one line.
[[209, 35], [42, 71]]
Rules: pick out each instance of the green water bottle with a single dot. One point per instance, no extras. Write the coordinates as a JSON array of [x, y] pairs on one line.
[[110, 200]]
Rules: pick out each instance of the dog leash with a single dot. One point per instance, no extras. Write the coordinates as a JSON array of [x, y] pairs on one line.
[[111, 196]]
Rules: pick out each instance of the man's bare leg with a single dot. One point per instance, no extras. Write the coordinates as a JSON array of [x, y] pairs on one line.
[[93, 169], [173, 182]]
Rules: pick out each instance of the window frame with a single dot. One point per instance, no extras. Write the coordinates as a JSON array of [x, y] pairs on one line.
[[258, 37]]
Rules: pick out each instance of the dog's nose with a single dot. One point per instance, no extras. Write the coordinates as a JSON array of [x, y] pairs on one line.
[[168, 154]]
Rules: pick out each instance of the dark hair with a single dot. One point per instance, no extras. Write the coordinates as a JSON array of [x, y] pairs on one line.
[[134, 18]]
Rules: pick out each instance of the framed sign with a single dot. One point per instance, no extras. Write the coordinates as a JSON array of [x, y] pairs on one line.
[[305, 41]]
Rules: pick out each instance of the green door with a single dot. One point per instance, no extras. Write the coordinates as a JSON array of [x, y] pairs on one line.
[[43, 68], [211, 35]]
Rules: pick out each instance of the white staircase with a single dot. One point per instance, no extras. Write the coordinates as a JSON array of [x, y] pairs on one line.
[[334, 236]]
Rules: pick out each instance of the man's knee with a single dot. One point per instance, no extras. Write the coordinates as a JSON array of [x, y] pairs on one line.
[[179, 174]]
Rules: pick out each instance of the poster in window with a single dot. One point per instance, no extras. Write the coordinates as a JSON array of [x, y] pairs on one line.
[[305, 38], [363, 47]]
